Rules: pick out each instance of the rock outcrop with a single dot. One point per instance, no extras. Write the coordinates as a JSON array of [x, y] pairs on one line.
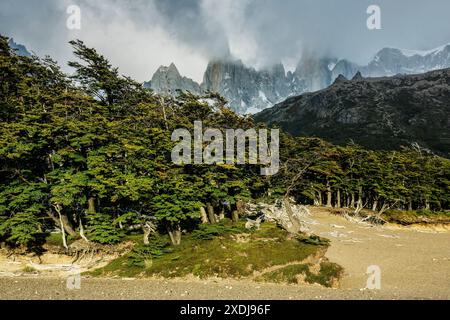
[[167, 80]]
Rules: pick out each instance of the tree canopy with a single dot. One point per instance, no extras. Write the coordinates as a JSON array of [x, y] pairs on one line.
[[90, 154]]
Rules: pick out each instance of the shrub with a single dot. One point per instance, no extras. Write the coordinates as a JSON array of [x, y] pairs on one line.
[[154, 250], [21, 229], [210, 231], [315, 240], [101, 229]]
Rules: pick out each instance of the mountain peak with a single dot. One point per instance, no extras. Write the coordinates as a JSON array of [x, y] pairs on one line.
[[173, 67], [167, 80], [358, 76], [341, 78]]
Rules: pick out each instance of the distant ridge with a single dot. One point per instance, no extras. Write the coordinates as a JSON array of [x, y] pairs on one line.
[[378, 113]]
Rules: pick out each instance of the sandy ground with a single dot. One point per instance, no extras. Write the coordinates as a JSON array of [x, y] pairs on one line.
[[414, 264]]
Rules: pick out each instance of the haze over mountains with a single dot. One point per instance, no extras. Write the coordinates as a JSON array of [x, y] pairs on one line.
[[249, 90]]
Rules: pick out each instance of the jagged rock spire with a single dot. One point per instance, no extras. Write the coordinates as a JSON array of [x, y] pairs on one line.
[[358, 76]]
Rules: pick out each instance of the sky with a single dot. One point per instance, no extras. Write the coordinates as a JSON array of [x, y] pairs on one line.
[[140, 35]]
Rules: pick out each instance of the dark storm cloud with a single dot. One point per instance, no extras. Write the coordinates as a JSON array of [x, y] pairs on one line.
[[187, 21]]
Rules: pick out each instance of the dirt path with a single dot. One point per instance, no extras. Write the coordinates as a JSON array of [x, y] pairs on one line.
[[414, 265]]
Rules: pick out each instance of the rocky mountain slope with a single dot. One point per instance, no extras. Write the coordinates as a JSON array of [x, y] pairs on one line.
[[168, 80], [249, 90], [246, 89], [381, 113], [21, 50]]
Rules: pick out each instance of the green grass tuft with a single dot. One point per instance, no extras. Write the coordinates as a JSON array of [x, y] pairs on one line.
[[417, 217], [327, 275]]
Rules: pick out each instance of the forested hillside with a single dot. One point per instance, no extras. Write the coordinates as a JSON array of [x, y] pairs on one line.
[[91, 154]]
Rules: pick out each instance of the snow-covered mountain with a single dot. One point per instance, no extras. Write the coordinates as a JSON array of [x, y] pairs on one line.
[[249, 90], [246, 89], [391, 61]]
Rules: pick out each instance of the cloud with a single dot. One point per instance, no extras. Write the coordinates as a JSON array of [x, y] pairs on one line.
[[140, 35]]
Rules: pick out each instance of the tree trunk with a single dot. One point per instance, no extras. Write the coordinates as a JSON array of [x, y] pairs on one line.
[[410, 206], [352, 201], [147, 232], [338, 200], [63, 232], [203, 215], [375, 205], [240, 210], [235, 216], [82, 231], [359, 207], [329, 196], [240, 206], [91, 205], [427, 204], [383, 209], [175, 235], [148, 228], [211, 215], [222, 214], [68, 228], [320, 198], [360, 194]]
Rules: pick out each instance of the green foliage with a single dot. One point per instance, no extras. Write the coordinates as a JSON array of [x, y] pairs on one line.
[[102, 230], [328, 273], [315, 240], [288, 274], [320, 173], [327, 276], [230, 255], [210, 231], [21, 229], [417, 217], [156, 248]]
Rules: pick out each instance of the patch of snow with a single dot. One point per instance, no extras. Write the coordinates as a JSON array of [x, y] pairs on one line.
[[263, 96], [253, 110], [331, 66], [422, 53]]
